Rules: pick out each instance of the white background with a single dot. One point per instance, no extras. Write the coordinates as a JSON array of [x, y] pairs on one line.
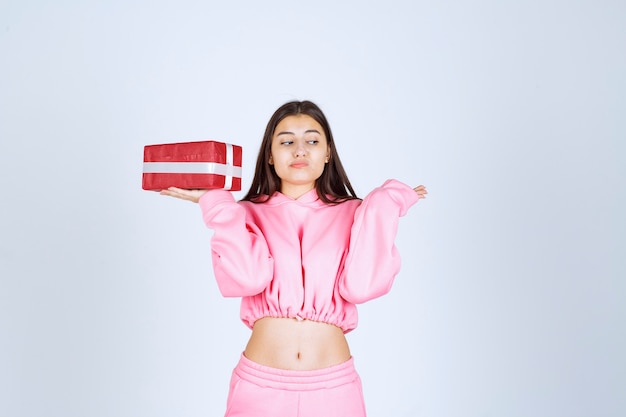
[[511, 300]]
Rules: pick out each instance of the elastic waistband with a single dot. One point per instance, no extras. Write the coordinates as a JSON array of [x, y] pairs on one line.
[[290, 380]]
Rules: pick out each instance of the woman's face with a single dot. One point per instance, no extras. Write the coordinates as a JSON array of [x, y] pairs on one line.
[[299, 153]]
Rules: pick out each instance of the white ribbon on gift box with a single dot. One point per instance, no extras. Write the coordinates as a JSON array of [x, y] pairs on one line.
[[228, 169]]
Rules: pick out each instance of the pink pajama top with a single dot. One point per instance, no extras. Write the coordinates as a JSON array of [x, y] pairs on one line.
[[305, 259]]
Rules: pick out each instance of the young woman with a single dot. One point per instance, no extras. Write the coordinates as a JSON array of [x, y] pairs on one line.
[[301, 250]]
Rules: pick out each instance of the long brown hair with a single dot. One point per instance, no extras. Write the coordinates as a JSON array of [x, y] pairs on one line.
[[332, 187]]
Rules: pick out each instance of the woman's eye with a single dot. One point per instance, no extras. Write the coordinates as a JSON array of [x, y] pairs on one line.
[[313, 142], [286, 142]]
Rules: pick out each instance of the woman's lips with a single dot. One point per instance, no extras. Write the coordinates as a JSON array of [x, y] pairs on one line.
[[299, 164]]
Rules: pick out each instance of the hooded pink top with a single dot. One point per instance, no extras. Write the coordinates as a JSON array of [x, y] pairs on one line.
[[305, 259]]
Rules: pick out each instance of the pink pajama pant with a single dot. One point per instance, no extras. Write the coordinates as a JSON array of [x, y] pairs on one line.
[[260, 391]]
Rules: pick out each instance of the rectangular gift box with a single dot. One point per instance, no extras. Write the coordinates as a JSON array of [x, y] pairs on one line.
[[192, 165]]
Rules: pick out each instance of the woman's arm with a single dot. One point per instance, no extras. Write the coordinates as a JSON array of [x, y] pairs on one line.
[[373, 259], [241, 259]]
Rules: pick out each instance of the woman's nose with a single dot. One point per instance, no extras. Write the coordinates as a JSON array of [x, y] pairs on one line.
[[300, 150]]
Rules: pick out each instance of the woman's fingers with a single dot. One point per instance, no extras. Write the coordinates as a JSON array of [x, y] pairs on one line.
[[189, 195], [421, 191]]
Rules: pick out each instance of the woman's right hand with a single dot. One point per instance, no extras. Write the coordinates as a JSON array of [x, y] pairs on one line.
[[183, 194]]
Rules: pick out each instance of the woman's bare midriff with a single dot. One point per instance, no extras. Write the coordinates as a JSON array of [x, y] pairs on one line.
[[296, 344]]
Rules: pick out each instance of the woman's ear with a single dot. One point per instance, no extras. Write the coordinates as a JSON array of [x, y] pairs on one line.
[[271, 160]]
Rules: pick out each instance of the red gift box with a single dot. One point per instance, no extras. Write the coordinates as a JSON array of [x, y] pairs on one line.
[[192, 165]]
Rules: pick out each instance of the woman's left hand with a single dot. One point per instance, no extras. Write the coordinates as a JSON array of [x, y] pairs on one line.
[[421, 191]]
